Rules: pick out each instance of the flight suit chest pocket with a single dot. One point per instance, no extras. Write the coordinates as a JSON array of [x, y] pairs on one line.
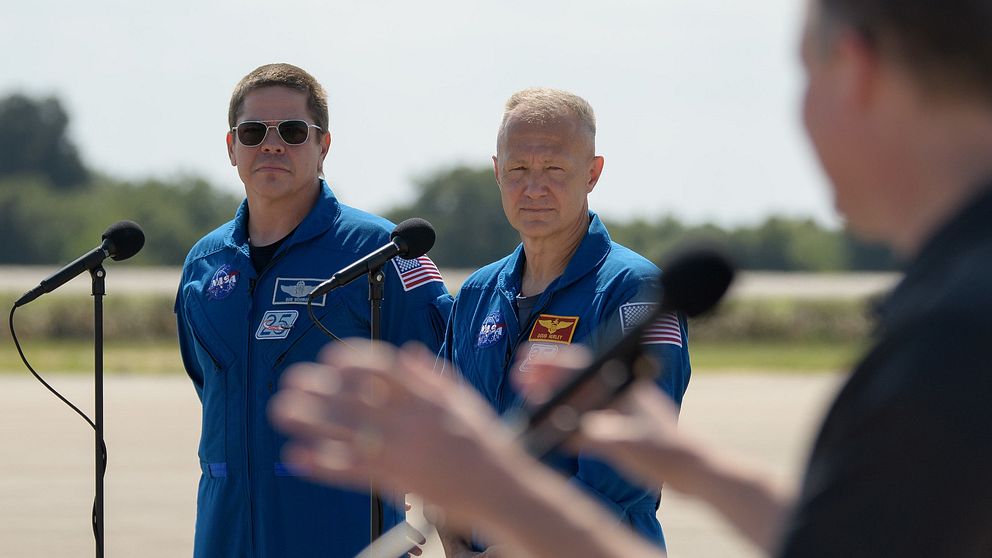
[[216, 361]]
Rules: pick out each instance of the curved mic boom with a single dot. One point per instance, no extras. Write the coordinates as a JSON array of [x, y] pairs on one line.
[[121, 240], [410, 239]]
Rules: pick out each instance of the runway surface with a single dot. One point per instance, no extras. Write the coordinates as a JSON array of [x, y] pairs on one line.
[[152, 425], [122, 278]]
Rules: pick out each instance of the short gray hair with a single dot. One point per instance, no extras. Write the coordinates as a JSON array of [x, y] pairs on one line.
[[538, 105]]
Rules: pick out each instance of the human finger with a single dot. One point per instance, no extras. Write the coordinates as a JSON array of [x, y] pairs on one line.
[[327, 461], [337, 416]]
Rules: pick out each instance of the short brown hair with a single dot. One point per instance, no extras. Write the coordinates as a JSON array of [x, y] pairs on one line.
[[945, 44], [281, 75]]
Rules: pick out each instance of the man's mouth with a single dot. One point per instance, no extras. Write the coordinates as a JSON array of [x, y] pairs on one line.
[[271, 168]]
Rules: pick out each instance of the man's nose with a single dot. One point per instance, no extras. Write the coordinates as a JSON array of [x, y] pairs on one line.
[[272, 143], [534, 186]]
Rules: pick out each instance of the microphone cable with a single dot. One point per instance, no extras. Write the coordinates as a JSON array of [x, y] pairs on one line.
[[103, 443], [316, 321], [323, 329]]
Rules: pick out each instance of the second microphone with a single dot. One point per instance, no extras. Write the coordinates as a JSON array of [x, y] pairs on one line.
[[410, 239]]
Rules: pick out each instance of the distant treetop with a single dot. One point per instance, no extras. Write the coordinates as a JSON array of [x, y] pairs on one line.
[[34, 141]]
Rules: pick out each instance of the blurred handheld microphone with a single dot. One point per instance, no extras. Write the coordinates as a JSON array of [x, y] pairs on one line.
[[121, 240], [410, 239], [693, 282]]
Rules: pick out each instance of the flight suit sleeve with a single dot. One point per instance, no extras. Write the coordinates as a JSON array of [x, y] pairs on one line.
[[414, 311], [444, 364], [186, 344], [666, 341]]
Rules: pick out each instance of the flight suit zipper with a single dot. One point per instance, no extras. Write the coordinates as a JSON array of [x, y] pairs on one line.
[[249, 397], [248, 421], [511, 350]]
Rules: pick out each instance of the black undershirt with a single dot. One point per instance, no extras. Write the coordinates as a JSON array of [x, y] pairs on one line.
[[262, 255], [525, 307]]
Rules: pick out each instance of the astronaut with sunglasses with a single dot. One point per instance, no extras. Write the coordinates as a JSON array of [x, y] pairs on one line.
[[242, 319]]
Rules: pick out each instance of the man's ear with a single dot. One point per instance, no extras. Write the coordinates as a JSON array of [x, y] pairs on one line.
[[595, 171], [857, 69], [230, 149], [325, 147]]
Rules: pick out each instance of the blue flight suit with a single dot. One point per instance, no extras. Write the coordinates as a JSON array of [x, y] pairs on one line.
[[603, 292], [239, 330]]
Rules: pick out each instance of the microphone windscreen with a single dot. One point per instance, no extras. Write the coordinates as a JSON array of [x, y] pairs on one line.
[[695, 279], [417, 237], [123, 239]]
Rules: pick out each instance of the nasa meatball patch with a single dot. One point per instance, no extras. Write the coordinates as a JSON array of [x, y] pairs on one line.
[[492, 330], [223, 282]]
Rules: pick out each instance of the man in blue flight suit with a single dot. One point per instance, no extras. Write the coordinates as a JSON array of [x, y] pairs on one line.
[[241, 312], [567, 283]]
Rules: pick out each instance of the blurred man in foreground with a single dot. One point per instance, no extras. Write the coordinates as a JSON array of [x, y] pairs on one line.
[[899, 108]]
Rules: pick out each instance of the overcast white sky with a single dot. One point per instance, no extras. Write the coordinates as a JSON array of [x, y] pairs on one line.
[[697, 100]]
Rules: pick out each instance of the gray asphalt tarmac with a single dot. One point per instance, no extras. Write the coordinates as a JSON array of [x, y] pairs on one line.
[[122, 278], [152, 425]]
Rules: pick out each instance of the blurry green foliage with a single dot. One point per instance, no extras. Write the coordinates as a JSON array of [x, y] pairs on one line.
[[52, 209], [41, 224], [778, 244], [34, 141], [464, 206]]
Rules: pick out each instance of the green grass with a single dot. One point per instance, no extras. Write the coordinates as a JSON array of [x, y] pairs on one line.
[[774, 356], [135, 357], [162, 357]]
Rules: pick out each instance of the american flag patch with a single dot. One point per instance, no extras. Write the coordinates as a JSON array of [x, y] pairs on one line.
[[665, 330], [414, 273]]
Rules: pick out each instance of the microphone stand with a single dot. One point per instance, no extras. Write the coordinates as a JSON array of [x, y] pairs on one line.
[[98, 274], [377, 280]]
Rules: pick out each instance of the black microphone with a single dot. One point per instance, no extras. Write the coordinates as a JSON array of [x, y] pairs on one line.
[[410, 239], [121, 240], [693, 282]]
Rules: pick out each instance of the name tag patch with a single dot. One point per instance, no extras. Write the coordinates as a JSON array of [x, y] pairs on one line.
[[553, 329], [294, 290], [276, 324]]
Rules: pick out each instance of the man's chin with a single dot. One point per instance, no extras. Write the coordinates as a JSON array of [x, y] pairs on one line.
[[534, 228]]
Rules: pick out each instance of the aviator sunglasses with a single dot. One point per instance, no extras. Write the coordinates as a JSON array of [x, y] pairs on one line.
[[293, 132]]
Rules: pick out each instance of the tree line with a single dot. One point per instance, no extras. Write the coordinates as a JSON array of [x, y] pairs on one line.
[[53, 207]]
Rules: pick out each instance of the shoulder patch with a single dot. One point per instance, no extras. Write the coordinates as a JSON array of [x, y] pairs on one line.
[[417, 272], [665, 330]]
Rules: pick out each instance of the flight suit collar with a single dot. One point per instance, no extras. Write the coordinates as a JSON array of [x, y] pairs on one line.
[[593, 249], [320, 218]]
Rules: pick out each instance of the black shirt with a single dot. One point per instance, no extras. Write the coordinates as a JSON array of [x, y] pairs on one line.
[[903, 463], [262, 255], [525, 307]]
